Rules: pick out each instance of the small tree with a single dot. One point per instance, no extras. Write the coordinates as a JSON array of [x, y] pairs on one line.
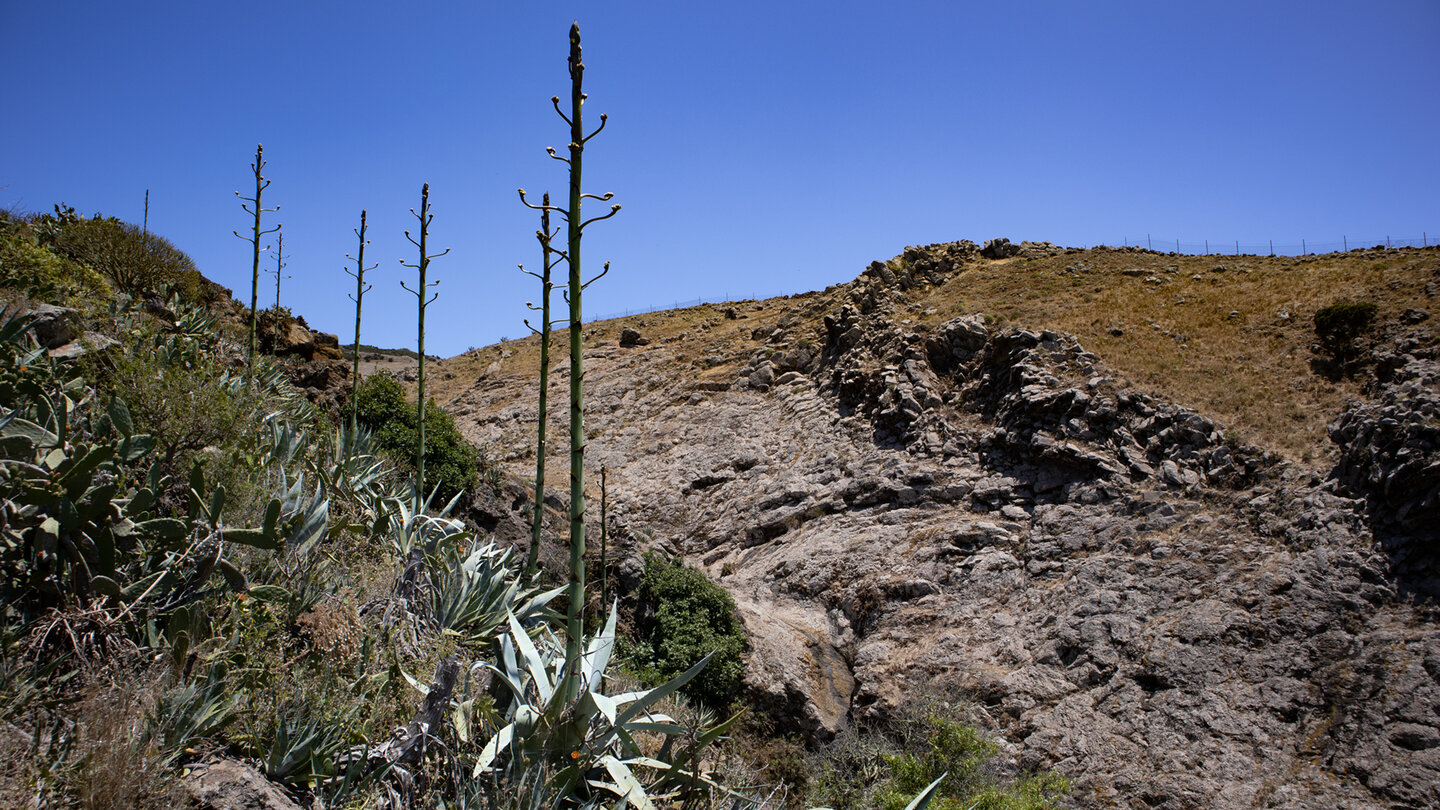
[[420, 292], [575, 226], [256, 233], [360, 289]]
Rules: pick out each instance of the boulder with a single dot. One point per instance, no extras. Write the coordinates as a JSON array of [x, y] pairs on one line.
[[225, 784], [54, 326], [1000, 248], [631, 337]]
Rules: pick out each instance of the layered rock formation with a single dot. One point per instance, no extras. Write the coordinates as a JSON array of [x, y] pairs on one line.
[[1170, 618]]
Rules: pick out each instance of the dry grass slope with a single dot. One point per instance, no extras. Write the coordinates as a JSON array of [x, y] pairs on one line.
[[1228, 335]]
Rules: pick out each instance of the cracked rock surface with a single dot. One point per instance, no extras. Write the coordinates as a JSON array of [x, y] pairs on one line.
[[1167, 617]]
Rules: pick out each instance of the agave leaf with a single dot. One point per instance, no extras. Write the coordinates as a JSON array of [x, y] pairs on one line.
[[712, 734], [643, 700], [313, 525], [533, 662], [602, 703], [600, 649], [630, 788], [492, 749], [655, 727], [922, 800]]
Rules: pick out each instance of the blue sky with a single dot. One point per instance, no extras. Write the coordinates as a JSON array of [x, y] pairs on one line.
[[757, 148]]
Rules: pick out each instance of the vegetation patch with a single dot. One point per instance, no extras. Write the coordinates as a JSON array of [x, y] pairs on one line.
[[1339, 327], [683, 618], [451, 463], [886, 765]]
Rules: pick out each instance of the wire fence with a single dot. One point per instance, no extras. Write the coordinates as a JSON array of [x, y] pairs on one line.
[[693, 302], [1202, 248], [1271, 248]]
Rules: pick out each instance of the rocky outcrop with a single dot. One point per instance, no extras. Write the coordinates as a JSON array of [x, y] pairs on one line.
[[1390, 455], [1169, 617]]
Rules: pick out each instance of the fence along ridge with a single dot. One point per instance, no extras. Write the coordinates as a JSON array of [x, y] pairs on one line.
[[1175, 246]]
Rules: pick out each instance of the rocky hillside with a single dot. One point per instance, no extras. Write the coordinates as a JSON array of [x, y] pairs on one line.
[[1104, 493]]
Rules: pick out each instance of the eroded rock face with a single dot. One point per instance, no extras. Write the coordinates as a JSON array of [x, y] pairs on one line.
[[1169, 618], [1390, 455]]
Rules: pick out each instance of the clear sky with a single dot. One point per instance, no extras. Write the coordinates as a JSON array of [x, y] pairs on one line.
[[758, 148]]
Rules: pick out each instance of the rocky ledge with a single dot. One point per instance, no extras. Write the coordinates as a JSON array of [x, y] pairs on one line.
[[1170, 618]]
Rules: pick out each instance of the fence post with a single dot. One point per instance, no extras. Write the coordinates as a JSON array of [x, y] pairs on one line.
[[1272, 247], [1345, 240], [1387, 242], [1147, 242], [1177, 245], [1207, 247], [1237, 247], [1303, 250]]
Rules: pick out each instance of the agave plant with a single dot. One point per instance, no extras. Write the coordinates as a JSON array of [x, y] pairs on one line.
[[588, 745], [471, 594], [304, 749], [191, 712]]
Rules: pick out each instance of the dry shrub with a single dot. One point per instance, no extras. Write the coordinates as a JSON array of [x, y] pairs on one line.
[[334, 628]]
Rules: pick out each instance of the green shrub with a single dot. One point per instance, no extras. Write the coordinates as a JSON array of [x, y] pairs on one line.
[[451, 463], [183, 396], [886, 765], [690, 618], [966, 755], [42, 275], [133, 259], [1340, 325]]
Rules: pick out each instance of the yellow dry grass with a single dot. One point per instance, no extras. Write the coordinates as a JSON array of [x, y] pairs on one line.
[[1227, 335]]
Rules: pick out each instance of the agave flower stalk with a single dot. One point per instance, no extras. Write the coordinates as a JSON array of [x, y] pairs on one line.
[[420, 291], [252, 206], [575, 226], [360, 289], [278, 273], [545, 237]]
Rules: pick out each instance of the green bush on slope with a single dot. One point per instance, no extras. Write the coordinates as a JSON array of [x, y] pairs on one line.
[[691, 618], [451, 463]]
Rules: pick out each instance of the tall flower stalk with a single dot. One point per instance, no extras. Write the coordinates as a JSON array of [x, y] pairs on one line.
[[252, 206], [420, 291], [575, 226], [360, 289], [545, 237]]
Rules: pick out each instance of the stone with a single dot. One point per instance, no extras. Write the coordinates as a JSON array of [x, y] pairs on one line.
[[54, 326], [631, 337], [225, 784], [1000, 248], [87, 343]]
